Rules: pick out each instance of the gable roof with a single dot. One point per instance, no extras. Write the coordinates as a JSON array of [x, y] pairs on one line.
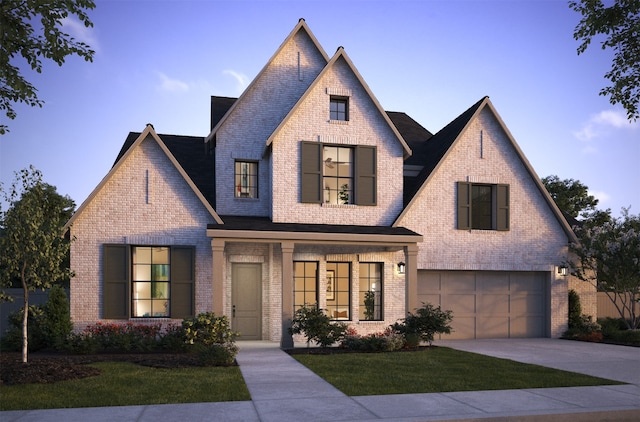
[[301, 26], [184, 148], [219, 107], [437, 148], [340, 53]]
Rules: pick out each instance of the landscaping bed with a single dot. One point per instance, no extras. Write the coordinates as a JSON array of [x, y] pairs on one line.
[[44, 368]]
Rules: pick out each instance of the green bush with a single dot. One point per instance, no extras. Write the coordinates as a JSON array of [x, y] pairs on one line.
[[581, 327], [424, 324], [56, 325], [211, 338], [575, 310], [386, 341], [317, 326], [616, 330], [37, 340]]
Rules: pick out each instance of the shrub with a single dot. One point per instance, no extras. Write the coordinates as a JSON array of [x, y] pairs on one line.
[[424, 324], [317, 326], [212, 339], [581, 327], [575, 309], [386, 341], [37, 340], [56, 325], [128, 337]]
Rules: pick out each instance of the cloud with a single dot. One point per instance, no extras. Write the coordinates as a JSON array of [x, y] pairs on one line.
[[601, 196], [81, 33], [602, 123], [241, 79], [171, 85]]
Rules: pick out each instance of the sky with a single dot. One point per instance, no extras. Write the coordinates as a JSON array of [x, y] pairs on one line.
[[159, 62]]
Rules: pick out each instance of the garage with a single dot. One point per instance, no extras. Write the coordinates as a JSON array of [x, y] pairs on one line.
[[489, 304]]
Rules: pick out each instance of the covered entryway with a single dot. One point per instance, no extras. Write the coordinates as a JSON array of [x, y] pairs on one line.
[[246, 315], [489, 304]]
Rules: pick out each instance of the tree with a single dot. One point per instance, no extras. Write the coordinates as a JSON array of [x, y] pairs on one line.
[[608, 257], [620, 24], [33, 246], [18, 35], [571, 196]]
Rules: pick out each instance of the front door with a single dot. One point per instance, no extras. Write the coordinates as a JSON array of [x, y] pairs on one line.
[[247, 300]]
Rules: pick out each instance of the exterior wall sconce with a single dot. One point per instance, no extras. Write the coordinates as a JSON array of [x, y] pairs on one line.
[[401, 267], [563, 271]]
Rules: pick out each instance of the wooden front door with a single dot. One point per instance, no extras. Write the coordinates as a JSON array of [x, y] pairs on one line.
[[247, 301]]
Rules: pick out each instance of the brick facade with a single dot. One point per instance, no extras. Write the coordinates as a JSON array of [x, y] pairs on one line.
[[145, 202]]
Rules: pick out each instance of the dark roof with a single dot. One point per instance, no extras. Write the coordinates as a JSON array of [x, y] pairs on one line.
[[194, 157], [414, 134], [219, 107], [265, 224], [434, 149]]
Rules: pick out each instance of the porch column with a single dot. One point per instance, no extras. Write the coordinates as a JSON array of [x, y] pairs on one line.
[[411, 277], [217, 250], [287, 293]]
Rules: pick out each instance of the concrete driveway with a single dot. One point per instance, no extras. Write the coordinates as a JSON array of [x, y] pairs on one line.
[[620, 363]]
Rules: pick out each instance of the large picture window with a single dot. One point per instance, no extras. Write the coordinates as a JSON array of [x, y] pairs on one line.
[[305, 287], [148, 281], [339, 290], [370, 291], [483, 206]]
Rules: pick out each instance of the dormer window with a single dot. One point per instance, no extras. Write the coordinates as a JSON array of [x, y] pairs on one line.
[[246, 179], [339, 108]]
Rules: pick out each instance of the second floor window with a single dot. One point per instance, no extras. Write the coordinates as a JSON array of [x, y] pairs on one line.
[[338, 175], [483, 206], [339, 108], [246, 179]]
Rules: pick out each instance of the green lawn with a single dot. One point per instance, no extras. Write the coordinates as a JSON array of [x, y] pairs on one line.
[[125, 384], [439, 369]]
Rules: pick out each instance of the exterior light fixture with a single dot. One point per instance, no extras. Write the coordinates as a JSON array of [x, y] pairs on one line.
[[563, 271], [401, 267]]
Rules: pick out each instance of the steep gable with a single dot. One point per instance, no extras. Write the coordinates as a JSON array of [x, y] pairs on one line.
[[188, 156]]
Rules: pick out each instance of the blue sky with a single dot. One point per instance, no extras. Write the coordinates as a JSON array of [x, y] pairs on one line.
[[160, 61]]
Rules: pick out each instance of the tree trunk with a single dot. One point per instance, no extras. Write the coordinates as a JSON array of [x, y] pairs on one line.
[[25, 317]]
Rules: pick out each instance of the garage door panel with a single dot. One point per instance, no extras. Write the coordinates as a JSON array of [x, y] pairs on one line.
[[489, 304], [463, 328], [461, 304], [532, 326], [493, 304], [492, 327]]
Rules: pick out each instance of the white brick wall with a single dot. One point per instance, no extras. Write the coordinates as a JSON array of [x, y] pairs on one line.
[[535, 241], [120, 213]]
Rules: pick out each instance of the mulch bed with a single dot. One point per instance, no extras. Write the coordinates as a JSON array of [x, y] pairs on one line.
[[44, 368]]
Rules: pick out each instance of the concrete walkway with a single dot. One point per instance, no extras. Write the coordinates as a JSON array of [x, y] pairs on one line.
[[284, 390]]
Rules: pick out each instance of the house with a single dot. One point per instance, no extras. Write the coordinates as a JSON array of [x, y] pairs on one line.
[[307, 191]]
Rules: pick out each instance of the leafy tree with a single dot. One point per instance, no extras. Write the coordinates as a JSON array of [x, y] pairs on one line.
[[571, 196], [608, 257], [620, 25], [19, 35], [33, 247]]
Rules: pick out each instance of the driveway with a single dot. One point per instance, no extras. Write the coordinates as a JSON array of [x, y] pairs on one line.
[[620, 363]]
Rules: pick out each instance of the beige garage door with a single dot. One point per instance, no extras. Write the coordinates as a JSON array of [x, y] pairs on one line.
[[488, 304]]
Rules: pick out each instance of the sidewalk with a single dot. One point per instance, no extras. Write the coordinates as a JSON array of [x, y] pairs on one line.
[[284, 390]]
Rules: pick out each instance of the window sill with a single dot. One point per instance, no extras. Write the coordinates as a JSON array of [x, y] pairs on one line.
[[243, 199], [338, 122], [328, 205]]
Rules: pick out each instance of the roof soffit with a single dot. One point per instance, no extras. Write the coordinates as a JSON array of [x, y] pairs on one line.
[[301, 26], [340, 53]]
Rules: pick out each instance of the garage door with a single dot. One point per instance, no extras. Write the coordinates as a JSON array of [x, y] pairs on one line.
[[488, 304]]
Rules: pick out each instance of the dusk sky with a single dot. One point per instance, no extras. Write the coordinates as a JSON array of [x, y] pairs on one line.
[[159, 62]]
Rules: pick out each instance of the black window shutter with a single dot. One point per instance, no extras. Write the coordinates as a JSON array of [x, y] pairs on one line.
[[182, 281], [115, 271], [502, 208], [311, 172], [464, 205], [366, 175]]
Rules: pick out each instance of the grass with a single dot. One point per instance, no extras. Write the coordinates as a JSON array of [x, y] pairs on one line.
[[439, 369], [125, 384]]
